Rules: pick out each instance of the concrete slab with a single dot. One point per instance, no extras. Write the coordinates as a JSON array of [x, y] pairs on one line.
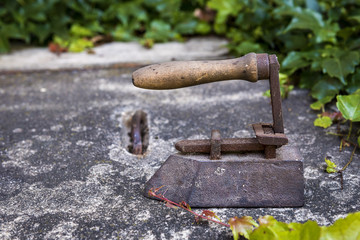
[[114, 53], [65, 172]]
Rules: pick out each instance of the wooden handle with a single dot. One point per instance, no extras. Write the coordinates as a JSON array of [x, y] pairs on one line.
[[178, 74]]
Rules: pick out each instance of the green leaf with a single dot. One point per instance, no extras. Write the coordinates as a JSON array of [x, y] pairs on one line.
[[320, 103], [307, 231], [325, 87], [203, 28], [79, 45], [160, 31], [4, 44], [294, 61], [307, 19], [270, 228], [187, 27], [246, 47], [347, 228], [330, 166], [224, 9], [80, 31], [358, 140], [61, 42], [354, 83], [242, 226], [323, 121], [342, 65], [122, 34], [349, 106]]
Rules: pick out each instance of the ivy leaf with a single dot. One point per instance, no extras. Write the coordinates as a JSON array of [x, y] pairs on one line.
[[307, 19], [349, 106], [354, 83], [247, 46], [4, 44], [122, 34], [341, 65], [79, 45], [80, 31], [320, 103], [160, 31], [294, 61], [326, 87], [359, 140], [203, 28], [211, 214], [243, 226], [224, 10], [323, 122], [347, 228], [330, 166]]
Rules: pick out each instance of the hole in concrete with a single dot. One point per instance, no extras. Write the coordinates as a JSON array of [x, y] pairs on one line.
[[138, 132]]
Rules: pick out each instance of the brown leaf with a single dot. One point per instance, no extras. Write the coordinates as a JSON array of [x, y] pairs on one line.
[[334, 116], [56, 48], [100, 39], [243, 226], [211, 214], [185, 204], [206, 14]]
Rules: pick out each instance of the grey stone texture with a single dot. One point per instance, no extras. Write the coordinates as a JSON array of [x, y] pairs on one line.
[[65, 171]]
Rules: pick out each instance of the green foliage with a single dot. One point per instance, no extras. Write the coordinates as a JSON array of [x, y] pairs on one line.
[[271, 229], [330, 166], [349, 106], [320, 103], [323, 121], [38, 21], [316, 41]]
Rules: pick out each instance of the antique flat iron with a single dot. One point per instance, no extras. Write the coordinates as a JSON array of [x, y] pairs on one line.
[[229, 172]]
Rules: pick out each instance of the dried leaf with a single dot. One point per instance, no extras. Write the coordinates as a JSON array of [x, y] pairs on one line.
[[56, 48], [334, 116], [242, 226], [185, 205], [206, 15], [211, 214], [345, 143]]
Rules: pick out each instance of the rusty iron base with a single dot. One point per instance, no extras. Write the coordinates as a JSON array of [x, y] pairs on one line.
[[237, 180]]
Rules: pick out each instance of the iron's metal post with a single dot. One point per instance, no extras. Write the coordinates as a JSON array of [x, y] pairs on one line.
[[275, 94]]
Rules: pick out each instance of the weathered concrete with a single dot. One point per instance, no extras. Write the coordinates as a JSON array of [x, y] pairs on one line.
[[65, 172], [114, 53]]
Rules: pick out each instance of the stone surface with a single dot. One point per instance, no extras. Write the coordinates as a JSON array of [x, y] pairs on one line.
[[114, 53], [237, 180], [65, 172]]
